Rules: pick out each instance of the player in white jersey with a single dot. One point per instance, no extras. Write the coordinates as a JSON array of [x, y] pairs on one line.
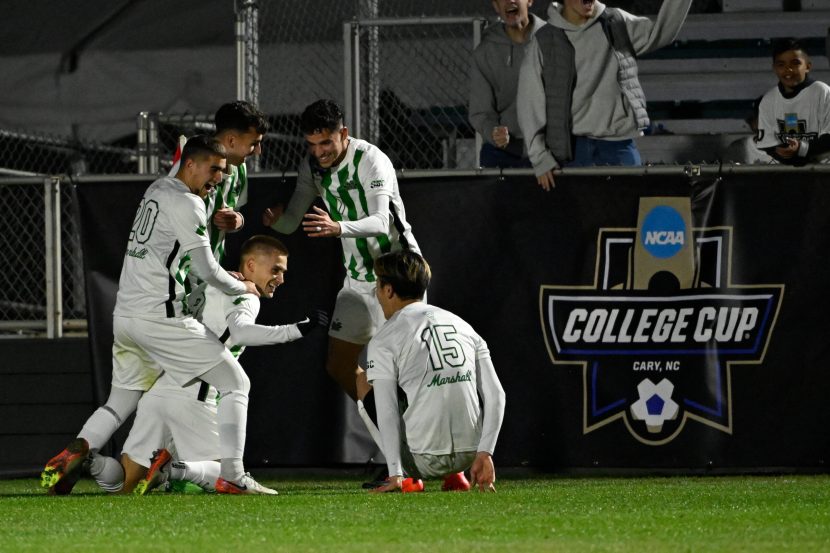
[[183, 419], [443, 366], [358, 185], [240, 127], [152, 330], [794, 116]]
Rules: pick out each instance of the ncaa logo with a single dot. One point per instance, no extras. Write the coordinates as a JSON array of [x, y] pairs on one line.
[[663, 232]]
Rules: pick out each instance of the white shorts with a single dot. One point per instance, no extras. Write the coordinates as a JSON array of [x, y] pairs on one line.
[[178, 421], [438, 466], [357, 313], [182, 347]]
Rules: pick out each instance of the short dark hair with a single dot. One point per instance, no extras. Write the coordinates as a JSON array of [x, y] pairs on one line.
[[321, 115], [406, 271], [202, 146], [782, 45], [240, 116], [261, 243]]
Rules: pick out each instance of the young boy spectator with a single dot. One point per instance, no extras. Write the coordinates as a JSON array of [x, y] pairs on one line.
[[794, 125]]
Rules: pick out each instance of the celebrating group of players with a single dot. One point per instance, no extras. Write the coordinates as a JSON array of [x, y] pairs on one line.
[[181, 321]]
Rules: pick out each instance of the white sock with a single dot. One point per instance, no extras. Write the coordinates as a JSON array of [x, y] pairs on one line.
[[99, 428], [107, 472], [103, 423], [233, 420], [201, 473]]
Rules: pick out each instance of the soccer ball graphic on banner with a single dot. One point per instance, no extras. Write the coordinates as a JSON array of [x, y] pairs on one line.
[[655, 405]]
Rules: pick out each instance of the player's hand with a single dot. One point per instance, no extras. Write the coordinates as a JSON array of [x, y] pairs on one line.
[[251, 288], [319, 224], [501, 136], [790, 150], [227, 219], [272, 214], [393, 484], [546, 181], [315, 319], [237, 276], [483, 473]]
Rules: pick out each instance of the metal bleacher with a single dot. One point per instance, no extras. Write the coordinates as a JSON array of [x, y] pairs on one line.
[[700, 88]]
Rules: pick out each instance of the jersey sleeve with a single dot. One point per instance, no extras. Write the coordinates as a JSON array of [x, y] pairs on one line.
[[188, 222], [380, 358], [301, 200], [243, 186], [493, 398], [241, 318], [377, 175]]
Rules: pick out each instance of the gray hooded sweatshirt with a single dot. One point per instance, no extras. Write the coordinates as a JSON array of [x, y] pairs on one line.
[[599, 108], [493, 80]]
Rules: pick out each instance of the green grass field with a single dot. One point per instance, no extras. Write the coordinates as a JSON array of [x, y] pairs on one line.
[[748, 513]]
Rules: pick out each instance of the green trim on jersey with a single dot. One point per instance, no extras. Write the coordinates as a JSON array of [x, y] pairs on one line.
[[181, 277], [227, 195], [342, 194]]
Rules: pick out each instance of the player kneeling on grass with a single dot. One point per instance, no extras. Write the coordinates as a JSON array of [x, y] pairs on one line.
[[182, 420], [443, 366]]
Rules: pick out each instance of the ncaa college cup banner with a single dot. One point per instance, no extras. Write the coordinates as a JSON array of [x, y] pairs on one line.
[[644, 322]]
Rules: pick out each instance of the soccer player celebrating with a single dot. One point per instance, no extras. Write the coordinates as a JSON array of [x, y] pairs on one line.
[[153, 331], [443, 366], [182, 420], [240, 127], [358, 185]]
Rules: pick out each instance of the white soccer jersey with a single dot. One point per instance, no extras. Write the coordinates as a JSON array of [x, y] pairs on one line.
[[241, 311], [231, 192], [432, 355], [364, 174], [169, 223], [803, 117]]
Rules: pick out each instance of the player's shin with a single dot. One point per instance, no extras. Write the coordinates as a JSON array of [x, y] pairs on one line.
[[103, 423], [201, 473], [233, 418]]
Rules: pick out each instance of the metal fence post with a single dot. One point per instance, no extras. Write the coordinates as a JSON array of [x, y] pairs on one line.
[[153, 143], [478, 29], [247, 58], [351, 72], [54, 284], [142, 124], [369, 9], [241, 91]]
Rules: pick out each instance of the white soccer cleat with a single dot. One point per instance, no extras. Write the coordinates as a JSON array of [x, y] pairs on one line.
[[246, 486]]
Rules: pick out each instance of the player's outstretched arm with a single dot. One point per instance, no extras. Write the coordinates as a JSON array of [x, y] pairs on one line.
[[285, 220], [483, 472]]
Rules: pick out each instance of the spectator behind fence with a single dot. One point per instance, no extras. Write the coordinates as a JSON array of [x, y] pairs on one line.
[[794, 116], [745, 150], [579, 100], [494, 77]]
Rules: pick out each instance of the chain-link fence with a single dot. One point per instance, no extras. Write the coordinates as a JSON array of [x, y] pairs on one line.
[[409, 87], [42, 279], [47, 154]]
